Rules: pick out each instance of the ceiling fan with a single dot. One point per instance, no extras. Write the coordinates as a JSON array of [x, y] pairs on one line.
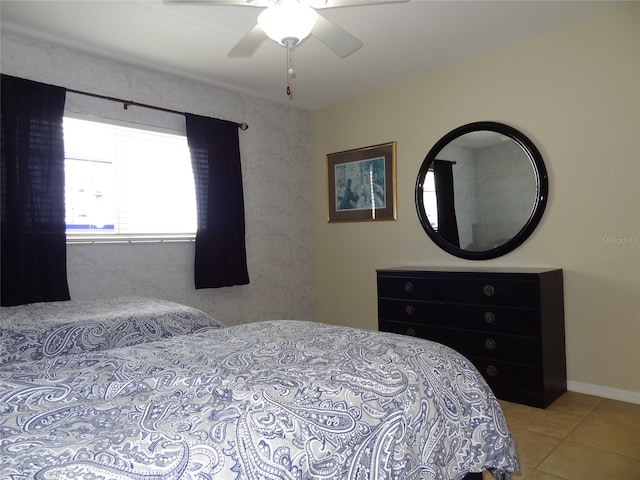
[[289, 22]]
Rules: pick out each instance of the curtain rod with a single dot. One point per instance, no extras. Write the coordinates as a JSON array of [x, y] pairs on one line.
[[127, 103]]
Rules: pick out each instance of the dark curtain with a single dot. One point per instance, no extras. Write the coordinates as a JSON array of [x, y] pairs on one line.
[[33, 248], [221, 258], [447, 222]]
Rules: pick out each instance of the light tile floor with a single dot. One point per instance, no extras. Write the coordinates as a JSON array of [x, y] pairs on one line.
[[578, 437]]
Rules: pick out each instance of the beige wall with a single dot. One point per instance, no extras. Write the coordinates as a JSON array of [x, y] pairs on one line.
[[576, 94]]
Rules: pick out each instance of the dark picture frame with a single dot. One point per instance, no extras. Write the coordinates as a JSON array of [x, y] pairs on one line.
[[362, 184]]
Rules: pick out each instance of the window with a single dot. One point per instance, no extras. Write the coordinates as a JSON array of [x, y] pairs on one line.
[[429, 199], [127, 183]]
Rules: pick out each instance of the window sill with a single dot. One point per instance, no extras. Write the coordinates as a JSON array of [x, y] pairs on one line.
[[140, 238]]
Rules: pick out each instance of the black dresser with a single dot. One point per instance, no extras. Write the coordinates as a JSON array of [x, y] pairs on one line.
[[508, 322]]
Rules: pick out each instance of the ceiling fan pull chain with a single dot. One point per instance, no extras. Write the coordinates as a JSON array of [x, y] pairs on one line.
[[290, 71]]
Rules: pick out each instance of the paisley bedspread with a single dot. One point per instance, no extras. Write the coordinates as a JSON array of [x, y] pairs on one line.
[[49, 329], [268, 400]]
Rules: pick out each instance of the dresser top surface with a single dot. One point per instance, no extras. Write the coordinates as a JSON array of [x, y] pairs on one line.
[[424, 268]]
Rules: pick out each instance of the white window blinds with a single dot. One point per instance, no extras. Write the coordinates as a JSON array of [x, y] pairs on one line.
[[123, 181]]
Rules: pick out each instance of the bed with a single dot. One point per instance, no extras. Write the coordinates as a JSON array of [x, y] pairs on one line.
[[50, 329], [280, 399]]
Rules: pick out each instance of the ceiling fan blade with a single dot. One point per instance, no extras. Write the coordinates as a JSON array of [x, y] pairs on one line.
[[249, 43], [240, 3], [350, 3], [334, 37]]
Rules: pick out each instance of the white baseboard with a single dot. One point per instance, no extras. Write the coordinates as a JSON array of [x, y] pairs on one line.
[[605, 392]]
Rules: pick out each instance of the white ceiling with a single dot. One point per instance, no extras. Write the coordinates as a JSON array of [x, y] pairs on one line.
[[400, 40]]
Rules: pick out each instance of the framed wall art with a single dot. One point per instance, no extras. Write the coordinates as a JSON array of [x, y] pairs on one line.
[[362, 184]]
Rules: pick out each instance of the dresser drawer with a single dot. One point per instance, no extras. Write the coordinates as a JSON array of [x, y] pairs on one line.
[[425, 313], [493, 291], [523, 350], [501, 375], [411, 288], [414, 330], [490, 318]]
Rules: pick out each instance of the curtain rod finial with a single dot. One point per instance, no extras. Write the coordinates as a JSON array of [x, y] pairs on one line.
[[243, 126]]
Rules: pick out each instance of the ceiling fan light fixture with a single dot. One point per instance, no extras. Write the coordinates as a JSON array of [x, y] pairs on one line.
[[288, 21]]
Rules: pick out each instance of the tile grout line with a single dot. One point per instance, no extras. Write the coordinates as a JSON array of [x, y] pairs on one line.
[[566, 435], [595, 417], [600, 449], [563, 438], [582, 413]]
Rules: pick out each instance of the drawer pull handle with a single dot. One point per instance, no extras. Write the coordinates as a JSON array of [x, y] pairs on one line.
[[492, 371], [490, 344], [410, 310], [488, 290], [409, 287], [411, 332], [489, 317]]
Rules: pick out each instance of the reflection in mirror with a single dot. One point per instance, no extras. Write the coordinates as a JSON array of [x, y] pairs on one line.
[[480, 191], [495, 188]]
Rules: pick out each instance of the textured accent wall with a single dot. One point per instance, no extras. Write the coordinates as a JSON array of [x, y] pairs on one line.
[[276, 164]]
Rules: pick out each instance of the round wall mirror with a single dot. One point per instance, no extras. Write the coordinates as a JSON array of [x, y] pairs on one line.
[[481, 190]]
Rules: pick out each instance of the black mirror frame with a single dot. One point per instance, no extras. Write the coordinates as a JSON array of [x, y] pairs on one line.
[[542, 190]]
